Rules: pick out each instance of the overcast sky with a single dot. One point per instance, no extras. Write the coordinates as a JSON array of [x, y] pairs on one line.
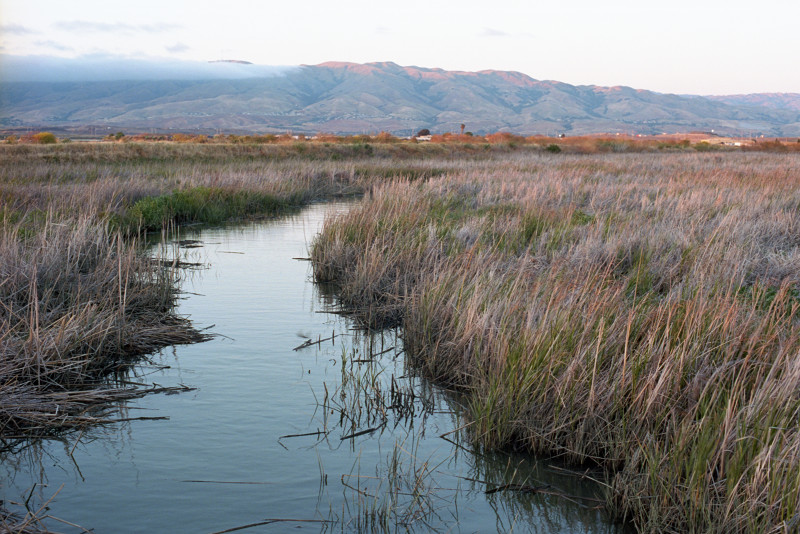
[[679, 46]]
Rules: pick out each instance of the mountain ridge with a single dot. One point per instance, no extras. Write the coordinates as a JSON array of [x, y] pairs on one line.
[[347, 98]]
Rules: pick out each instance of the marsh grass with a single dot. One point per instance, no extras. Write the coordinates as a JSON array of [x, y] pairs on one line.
[[636, 312], [142, 186], [79, 296], [77, 303]]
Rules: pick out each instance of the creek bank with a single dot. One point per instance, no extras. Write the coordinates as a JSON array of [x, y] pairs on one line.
[[631, 312]]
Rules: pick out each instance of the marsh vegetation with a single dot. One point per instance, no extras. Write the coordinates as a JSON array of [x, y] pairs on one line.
[[639, 313], [336, 436], [635, 313]]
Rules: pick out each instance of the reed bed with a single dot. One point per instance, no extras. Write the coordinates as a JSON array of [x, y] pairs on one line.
[[144, 186], [636, 312], [77, 303], [78, 296]]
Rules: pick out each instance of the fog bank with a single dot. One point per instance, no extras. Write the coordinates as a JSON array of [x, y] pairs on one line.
[[114, 68]]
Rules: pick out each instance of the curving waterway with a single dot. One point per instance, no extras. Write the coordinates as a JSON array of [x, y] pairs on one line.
[[334, 437]]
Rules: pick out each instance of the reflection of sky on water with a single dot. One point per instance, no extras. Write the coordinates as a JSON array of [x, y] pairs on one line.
[[221, 461]]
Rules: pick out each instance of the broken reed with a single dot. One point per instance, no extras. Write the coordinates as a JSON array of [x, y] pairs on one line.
[[639, 312]]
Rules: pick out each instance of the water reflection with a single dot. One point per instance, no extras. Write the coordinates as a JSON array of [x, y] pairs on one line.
[[337, 436]]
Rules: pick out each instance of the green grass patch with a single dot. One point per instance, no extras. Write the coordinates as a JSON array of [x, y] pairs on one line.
[[204, 204]]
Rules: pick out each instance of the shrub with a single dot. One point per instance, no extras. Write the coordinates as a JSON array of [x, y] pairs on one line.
[[185, 138], [45, 138], [554, 148], [504, 137], [703, 146], [385, 137]]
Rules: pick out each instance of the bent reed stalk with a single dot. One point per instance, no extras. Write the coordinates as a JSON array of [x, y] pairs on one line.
[[639, 312]]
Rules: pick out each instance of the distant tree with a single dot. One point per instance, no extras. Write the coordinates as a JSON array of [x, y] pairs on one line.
[[119, 135], [462, 128], [423, 131]]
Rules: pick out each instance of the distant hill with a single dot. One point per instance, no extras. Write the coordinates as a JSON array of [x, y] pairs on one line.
[[362, 98], [788, 101]]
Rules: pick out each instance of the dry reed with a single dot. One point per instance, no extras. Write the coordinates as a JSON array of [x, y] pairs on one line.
[[77, 303], [639, 312]]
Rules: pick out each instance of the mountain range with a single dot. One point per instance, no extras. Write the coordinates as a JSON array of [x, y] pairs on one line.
[[348, 98]]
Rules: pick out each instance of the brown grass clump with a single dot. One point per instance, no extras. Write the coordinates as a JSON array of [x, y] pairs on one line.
[[77, 303], [639, 312]]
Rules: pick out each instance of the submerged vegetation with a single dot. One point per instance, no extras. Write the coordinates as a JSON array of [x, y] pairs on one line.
[[636, 312]]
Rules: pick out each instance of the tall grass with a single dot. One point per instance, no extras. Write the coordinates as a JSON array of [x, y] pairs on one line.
[[145, 185], [635, 311], [639, 312], [77, 303], [79, 297]]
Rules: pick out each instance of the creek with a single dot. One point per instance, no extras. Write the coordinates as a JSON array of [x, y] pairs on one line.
[[338, 436]]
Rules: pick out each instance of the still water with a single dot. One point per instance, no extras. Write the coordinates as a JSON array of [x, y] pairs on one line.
[[335, 437]]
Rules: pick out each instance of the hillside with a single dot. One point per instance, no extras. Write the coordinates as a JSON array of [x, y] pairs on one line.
[[358, 98], [788, 101]]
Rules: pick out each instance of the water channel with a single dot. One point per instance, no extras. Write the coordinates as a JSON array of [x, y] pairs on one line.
[[335, 437]]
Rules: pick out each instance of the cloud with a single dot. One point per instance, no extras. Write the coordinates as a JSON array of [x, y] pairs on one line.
[[87, 26], [105, 67], [54, 45], [177, 48], [16, 29], [491, 32]]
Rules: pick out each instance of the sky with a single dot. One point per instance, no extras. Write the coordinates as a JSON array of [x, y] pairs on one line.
[[679, 46]]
